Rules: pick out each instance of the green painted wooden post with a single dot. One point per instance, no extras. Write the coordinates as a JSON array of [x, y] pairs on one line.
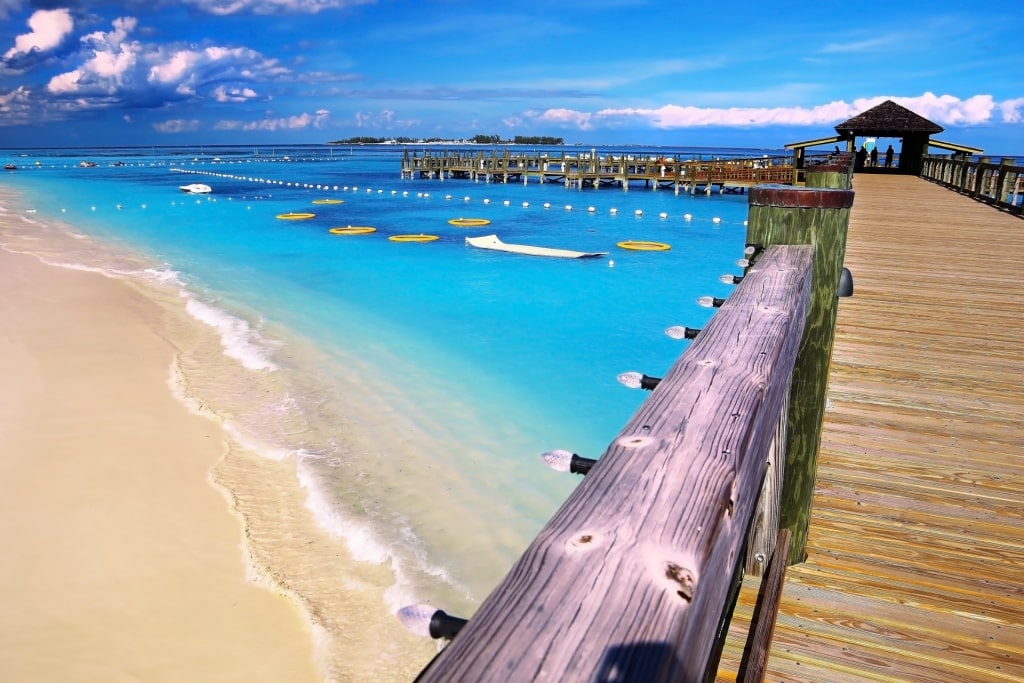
[[782, 214], [833, 176]]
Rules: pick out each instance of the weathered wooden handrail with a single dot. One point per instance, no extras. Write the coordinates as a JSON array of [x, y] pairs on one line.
[[632, 576], [998, 183]]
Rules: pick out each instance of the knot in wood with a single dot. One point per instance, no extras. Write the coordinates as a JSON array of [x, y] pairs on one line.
[[683, 577]]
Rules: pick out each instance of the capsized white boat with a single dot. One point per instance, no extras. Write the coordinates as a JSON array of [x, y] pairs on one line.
[[196, 188], [493, 243]]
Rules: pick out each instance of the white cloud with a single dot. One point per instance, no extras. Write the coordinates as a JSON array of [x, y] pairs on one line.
[[225, 94], [304, 120], [113, 57], [49, 28], [177, 126], [227, 7], [944, 110], [1013, 110], [579, 119]]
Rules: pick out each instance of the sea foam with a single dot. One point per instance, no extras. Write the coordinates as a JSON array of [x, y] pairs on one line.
[[239, 339]]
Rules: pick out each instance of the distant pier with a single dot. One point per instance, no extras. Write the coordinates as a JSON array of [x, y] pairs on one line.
[[590, 169]]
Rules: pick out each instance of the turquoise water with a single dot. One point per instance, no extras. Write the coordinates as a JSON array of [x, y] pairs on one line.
[[413, 385]]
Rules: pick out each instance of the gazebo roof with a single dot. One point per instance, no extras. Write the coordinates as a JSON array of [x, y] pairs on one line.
[[888, 120]]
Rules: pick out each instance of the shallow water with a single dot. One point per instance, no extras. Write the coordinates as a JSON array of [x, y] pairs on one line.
[[388, 401]]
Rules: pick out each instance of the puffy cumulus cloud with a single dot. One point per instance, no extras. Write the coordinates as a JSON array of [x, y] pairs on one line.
[[114, 69], [299, 121], [188, 72], [227, 7], [112, 57], [177, 126], [225, 94], [49, 29], [566, 117], [944, 109], [1012, 110]]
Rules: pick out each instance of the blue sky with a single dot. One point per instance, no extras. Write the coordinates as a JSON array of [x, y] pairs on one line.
[[742, 73]]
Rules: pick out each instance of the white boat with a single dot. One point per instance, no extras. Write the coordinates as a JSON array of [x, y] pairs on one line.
[[494, 244], [196, 188]]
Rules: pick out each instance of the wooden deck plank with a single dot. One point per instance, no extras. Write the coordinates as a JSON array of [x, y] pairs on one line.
[[916, 546]]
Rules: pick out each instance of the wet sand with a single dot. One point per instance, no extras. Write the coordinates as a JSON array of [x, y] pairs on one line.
[[122, 560]]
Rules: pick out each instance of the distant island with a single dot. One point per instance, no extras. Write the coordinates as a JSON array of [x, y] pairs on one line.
[[475, 140]]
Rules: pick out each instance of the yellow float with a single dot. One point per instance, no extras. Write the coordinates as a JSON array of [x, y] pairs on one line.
[[328, 201], [353, 230], [295, 216], [413, 238], [641, 245], [469, 222]]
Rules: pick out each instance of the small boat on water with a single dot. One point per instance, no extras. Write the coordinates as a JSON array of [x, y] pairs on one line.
[[196, 188], [494, 244], [10, 167]]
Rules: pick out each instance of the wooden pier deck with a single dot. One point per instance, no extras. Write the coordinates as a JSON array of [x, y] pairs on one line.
[[585, 169], [915, 568]]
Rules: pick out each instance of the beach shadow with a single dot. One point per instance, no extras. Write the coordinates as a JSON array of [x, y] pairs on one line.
[[652, 662]]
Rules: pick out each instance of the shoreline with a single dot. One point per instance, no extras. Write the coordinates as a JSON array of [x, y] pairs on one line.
[[124, 560], [302, 606]]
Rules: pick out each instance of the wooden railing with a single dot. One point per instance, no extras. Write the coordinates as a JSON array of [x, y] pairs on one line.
[[636, 575], [998, 183], [589, 168]]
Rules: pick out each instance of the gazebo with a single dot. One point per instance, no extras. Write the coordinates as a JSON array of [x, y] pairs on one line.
[[889, 120]]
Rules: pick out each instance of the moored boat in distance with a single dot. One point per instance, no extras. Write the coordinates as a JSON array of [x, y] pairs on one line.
[[196, 188], [494, 244]]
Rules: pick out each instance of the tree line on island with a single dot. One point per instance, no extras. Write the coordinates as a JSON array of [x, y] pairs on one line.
[[476, 140]]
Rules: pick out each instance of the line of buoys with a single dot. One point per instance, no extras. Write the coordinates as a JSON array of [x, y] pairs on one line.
[[296, 216], [641, 245], [353, 230], [413, 238], [469, 222]]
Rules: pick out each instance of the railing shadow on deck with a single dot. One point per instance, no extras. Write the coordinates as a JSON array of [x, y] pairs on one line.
[[636, 575]]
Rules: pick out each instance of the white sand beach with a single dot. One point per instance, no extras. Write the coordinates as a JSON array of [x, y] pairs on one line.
[[122, 560]]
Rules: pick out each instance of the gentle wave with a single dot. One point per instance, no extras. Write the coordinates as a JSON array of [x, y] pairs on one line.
[[239, 339]]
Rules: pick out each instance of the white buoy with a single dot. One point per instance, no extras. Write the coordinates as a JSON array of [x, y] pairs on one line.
[[662, 215], [507, 203], [614, 210], [611, 263], [638, 212], [526, 205], [591, 209], [688, 217], [716, 219], [547, 205], [568, 207], [487, 201]]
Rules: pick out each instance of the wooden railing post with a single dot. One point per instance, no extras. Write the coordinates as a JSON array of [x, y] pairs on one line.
[[781, 214], [834, 176]]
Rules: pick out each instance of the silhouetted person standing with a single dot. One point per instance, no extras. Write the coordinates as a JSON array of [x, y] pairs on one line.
[[874, 156], [862, 156], [888, 157]]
